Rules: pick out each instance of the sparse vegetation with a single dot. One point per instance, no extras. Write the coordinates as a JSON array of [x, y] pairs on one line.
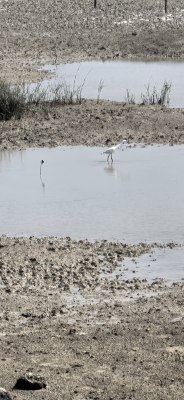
[[65, 95], [130, 99], [152, 96], [37, 95], [62, 93], [14, 99], [100, 87]]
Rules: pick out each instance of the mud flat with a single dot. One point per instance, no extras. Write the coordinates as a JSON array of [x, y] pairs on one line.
[[34, 33], [60, 320], [92, 124]]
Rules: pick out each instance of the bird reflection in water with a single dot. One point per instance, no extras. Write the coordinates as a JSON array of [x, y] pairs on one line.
[[42, 183], [111, 170]]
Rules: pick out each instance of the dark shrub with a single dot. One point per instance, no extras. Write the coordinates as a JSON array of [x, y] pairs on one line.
[[12, 100]]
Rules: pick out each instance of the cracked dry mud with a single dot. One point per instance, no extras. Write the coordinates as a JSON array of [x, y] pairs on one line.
[[60, 317]]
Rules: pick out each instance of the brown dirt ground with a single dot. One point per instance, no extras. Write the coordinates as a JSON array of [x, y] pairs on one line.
[[93, 124], [93, 345]]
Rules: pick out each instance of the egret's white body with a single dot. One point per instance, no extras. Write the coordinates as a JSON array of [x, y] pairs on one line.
[[112, 149]]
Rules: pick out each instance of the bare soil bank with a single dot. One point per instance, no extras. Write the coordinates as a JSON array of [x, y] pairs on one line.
[[93, 124], [100, 347], [37, 32]]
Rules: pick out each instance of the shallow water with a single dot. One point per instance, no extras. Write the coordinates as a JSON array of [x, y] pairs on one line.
[[118, 76], [140, 197], [162, 263]]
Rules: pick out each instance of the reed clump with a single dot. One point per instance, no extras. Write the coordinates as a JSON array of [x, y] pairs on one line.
[[153, 96], [15, 99], [130, 99], [12, 101]]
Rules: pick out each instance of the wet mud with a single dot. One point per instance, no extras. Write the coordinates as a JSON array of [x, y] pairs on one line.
[[87, 336]]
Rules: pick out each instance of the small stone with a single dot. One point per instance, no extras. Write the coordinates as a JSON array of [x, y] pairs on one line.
[[30, 382]]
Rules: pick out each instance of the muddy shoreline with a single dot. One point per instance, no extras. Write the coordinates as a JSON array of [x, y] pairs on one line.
[[91, 343], [92, 124]]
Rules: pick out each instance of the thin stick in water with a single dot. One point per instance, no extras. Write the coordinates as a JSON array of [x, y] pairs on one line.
[[41, 163]]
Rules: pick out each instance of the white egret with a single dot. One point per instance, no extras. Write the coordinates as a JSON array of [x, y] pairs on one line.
[[112, 149]]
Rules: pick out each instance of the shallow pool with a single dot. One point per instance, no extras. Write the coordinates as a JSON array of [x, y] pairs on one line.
[[120, 76], [161, 263], [140, 197]]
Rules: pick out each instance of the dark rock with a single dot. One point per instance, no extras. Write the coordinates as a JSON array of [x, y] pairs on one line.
[[4, 395], [26, 314], [72, 331], [32, 259], [30, 382]]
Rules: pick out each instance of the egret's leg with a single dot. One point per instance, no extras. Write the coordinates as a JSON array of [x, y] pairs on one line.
[[111, 158], [108, 158]]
